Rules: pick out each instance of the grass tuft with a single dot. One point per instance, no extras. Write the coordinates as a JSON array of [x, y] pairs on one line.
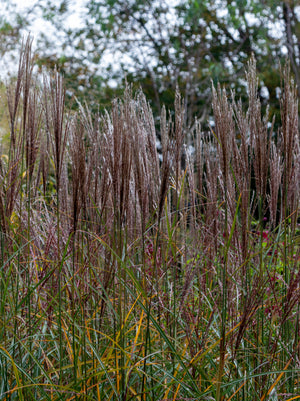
[[132, 273]]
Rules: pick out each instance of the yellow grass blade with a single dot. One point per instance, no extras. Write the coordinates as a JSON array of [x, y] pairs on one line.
[[18, 380], [279, 377]]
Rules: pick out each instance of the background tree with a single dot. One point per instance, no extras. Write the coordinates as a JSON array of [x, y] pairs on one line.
[[11, 24], [158, 46]]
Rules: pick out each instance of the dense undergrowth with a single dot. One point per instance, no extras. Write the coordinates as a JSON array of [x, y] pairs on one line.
[[129, 273]]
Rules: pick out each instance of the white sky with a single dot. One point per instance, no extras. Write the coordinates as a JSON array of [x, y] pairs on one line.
[[40, 25], [76, 7]]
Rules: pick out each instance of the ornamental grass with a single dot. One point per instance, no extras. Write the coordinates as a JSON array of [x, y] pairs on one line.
[[131, 271]]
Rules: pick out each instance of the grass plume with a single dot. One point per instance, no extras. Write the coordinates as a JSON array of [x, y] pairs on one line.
[[129, 272]]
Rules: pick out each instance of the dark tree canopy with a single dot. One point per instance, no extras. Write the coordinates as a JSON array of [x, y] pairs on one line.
[[160, 46]]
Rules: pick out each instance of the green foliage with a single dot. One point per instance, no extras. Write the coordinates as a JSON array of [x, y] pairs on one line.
[[11, 25], [4, 122], [162, 46], [126, 274]]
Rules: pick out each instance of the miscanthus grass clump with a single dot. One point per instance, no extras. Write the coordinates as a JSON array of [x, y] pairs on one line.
[[133, 274]]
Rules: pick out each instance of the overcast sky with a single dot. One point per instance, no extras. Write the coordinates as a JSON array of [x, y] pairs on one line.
[[6, 66], [76, 6]]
